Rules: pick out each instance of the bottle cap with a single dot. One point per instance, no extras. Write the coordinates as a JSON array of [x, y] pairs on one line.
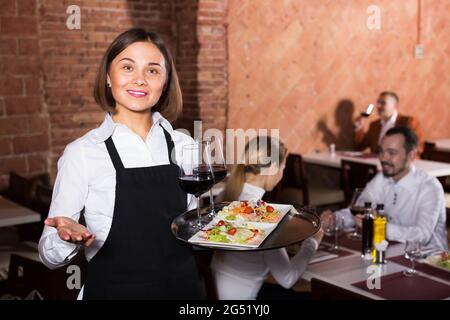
[[380, 206], [367, 204]]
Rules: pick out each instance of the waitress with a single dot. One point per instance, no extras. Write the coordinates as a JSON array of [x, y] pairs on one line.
[[124, 176]]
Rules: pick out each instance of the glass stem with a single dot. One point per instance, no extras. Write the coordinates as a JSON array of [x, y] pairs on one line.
[[211, 202], [199, 222], [413, 268], [336, 239]]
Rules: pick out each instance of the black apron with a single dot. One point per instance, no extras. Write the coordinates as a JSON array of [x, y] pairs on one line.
[[140, 258]]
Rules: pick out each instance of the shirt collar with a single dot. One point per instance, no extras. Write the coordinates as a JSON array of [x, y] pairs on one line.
[[407, 182], [255, 191], [106, 129], [391, 120]]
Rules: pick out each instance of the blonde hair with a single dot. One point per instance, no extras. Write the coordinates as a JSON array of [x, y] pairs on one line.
[[254, 163]]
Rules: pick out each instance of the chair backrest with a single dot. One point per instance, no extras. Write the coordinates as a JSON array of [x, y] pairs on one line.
[[294, 176], [43, 199], [355, 175], [431, 153], [203, 260], [321, 290], [20, 189], [51, 284], [23, 190]]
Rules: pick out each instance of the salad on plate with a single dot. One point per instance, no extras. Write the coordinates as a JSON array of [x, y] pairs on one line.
[[254, 211], [440, 260]]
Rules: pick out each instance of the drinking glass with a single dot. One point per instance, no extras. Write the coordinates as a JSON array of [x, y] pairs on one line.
[[334, 227], [219, 168], [355, 209], [196, 173], [413, 252]]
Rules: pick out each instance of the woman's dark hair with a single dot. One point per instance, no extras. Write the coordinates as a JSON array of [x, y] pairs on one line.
[[411, 141], [169, 104]]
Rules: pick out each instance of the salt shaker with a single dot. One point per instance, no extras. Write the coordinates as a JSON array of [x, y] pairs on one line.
[[332, 149]]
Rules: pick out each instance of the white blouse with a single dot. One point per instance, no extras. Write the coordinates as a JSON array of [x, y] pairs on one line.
[[241, 275], [86, 180]]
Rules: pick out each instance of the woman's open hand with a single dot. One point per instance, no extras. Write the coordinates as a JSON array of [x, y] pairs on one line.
[[71, 231]]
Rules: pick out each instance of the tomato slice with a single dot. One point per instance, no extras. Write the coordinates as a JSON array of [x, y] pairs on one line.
[[269, 209], [220, 223], [248, 210], [232, 231]]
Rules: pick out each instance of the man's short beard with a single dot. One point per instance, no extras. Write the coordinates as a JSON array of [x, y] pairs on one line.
[[390, 175]]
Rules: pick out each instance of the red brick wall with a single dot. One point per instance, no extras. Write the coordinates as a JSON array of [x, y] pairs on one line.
[[202, 61], [72, 58], [307, 66], [24, 127], [47, 71]]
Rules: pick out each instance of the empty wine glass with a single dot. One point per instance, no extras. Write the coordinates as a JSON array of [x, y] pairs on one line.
[[413, 252], [219, 168], [196, 174], [333, 227]]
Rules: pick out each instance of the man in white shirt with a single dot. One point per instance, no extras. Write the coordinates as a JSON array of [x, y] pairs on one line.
[[413, 200]]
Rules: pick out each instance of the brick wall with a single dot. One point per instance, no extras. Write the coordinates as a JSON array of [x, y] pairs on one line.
[[307, 67], [202, 61], [47, 71], [24, 127]]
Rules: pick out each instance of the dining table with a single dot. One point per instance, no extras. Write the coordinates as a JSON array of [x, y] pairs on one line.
[[433, 168], [347, 270], [12, 213]]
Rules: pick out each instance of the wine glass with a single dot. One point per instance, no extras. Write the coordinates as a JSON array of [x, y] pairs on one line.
[[413, 252], [219, 168], [196, 173], [356, 209], [334, 227]]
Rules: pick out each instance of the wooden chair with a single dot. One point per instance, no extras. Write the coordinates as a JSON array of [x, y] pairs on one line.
[[431, 153], [22, 190], [43, 200], [355, 175], [321, 290], [26, 275], [295, 189], [19, 190], [203, 260]]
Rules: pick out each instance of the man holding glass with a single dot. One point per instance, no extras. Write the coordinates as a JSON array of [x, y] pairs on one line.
[[413, 200], [387, 108]]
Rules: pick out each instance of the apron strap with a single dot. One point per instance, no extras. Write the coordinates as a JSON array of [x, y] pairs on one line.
[[118, 165], [170, 144]]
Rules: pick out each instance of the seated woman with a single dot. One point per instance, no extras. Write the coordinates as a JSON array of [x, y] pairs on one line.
[[241, 275]]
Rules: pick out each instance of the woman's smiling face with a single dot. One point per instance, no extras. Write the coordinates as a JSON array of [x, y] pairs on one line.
[[137, 76]]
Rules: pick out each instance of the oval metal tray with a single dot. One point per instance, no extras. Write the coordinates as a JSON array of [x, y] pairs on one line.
[[296, 226]]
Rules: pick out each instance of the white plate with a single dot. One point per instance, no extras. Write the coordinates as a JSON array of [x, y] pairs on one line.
[[283, 208], [266, 227], [434, 260]]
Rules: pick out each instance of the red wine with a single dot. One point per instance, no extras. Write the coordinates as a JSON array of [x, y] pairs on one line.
[[196, 185], [357, 210], [220, 173], [368, 111]]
